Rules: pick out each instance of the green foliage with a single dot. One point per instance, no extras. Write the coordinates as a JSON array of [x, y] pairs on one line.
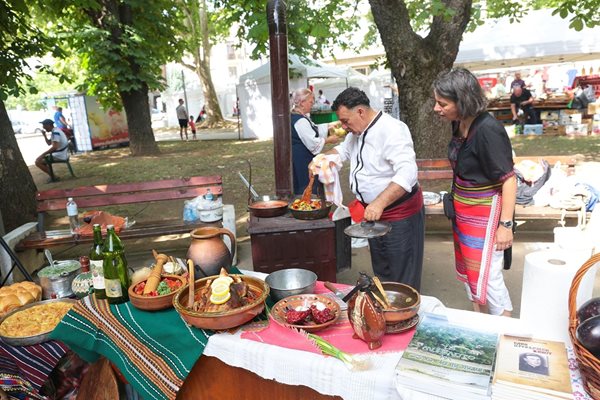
[[122, 44], [314, 27], [20, 39]]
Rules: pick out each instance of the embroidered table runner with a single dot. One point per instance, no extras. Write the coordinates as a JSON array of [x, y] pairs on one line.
[[31, 363], [155, 351]]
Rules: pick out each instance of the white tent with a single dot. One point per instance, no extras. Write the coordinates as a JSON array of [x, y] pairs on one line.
[[254, 91], [539, 38]]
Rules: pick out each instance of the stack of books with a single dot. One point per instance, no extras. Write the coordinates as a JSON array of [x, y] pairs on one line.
[[448, 360], [531, 369]]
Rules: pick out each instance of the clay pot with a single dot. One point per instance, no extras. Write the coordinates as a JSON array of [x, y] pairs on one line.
[[367, 320], [208, 251]]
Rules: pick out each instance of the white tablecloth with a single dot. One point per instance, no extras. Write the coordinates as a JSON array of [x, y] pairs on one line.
[[328, 375]]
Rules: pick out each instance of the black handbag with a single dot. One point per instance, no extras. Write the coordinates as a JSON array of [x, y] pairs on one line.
[[448, 202]]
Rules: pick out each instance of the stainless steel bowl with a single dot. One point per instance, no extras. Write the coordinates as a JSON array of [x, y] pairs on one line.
[[290, 282], [30, 340]]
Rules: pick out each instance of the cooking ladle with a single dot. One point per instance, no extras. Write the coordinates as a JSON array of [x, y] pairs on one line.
[[48, 255]]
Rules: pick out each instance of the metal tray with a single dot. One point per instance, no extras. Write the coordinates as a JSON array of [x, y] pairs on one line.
[[30, 340]]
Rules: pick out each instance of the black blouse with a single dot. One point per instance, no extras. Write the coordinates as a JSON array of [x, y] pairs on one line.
[[485, 156]]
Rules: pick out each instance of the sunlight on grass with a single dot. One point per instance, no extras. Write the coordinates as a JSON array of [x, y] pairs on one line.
[[114, 164]]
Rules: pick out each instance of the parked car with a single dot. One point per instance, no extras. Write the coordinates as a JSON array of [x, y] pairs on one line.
[[24, 127]]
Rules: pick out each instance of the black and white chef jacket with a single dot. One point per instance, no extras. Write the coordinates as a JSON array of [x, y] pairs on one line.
[[381, 154]]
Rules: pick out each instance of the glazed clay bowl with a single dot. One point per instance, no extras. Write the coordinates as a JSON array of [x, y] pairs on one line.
[[225, 319], [154, 303], [303, 301], [404, 301], [317, 213]]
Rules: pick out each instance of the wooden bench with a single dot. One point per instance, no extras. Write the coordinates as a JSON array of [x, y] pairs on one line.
[[439, 169], [95, 197]]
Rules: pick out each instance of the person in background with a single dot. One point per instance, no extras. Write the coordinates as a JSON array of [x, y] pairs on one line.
[[517, 82], [192, 127], [58, 150], [322, 99], [201, 115], [484, 189], [59, 119], [522, 99], [383, 176], [182, 116], [308, 139]]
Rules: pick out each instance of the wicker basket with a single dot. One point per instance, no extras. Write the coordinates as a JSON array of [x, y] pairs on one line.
[[589, 366]]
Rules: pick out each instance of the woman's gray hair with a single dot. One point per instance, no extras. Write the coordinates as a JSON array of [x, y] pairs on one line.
[[299, 95], [462, 87]]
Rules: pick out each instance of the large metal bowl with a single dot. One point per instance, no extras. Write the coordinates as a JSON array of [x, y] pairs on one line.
[[291, 282], [30, 340], [404, 299], [226, 319]]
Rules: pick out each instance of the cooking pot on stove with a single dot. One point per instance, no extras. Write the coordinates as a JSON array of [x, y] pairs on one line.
[[262, 206]]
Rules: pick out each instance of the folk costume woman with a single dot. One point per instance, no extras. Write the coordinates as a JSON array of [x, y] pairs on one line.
[[308, 139], [483, 189]]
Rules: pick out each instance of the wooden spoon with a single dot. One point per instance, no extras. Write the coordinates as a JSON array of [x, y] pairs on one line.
[[192, 284], [154, 278], [382, 291], [307, 194]]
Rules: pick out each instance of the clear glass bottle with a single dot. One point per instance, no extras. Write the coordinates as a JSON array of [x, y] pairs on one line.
[[96, 263], [73, 214], [116, 276]]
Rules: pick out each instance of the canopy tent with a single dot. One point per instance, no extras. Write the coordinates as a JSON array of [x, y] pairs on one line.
[[254, 91], [539, 38]]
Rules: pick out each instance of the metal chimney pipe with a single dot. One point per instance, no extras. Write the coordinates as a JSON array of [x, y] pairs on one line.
[[280, 98]]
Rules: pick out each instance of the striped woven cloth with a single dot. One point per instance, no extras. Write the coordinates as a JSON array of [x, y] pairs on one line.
[[32, 363], [155, 351]]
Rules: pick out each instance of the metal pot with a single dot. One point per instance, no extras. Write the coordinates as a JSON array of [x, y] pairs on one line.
[[268, 207], [263, 206], [58, 284]]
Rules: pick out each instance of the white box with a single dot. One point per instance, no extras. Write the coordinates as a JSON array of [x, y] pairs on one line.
[[568, 117], [577, 129]]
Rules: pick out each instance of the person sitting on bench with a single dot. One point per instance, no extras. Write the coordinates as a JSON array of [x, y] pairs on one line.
[[58, 150]]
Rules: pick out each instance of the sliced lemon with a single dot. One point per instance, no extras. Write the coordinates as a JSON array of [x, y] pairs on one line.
[[220, 299], [223, 280], [219, 290]]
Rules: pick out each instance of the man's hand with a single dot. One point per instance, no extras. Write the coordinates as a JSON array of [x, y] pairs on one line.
[[373, 212]]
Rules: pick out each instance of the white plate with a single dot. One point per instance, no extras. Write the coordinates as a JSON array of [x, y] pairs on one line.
[[431, 198]]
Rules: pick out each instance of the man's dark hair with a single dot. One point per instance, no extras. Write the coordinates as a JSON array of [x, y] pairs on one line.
[[350, 98]]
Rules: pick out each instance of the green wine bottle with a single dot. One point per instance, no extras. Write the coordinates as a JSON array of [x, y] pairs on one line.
[[116, 277], [96, 263]]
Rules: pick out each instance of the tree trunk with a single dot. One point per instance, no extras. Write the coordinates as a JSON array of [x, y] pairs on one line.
[[214, 117], [17, 203], [415, 62], [141, 136]]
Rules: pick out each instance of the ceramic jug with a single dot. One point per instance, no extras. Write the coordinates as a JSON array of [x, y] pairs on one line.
[[366, 318], [208, 251]]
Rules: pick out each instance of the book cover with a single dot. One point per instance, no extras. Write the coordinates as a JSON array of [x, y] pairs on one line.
[[533, 364], [450, 355]]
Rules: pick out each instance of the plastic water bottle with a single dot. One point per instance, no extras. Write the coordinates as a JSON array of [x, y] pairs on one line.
[[73, 214]]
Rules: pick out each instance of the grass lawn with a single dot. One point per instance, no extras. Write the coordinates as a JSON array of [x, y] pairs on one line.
[[227, 157]]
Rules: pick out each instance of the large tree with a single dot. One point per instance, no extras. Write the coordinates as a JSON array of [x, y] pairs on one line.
[[204, 27], [123, 45], [416, 60], [19, 39]]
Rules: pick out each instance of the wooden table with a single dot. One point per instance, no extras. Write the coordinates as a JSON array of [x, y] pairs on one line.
[[211, 378]]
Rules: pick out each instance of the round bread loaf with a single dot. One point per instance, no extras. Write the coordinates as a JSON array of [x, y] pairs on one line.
[[17, 295]]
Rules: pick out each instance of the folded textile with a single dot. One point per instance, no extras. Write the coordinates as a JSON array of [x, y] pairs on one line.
[[103, 219], [339, 334], [155, 351], [327, 167], [32, 363]]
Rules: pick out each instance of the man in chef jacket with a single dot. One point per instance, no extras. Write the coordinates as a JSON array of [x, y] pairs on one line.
[[383, 176]]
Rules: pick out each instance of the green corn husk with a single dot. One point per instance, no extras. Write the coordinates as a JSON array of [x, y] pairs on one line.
[[354, 363]]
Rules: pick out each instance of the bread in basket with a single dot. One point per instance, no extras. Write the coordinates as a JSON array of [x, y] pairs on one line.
[[17, 295], [589, 366]]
